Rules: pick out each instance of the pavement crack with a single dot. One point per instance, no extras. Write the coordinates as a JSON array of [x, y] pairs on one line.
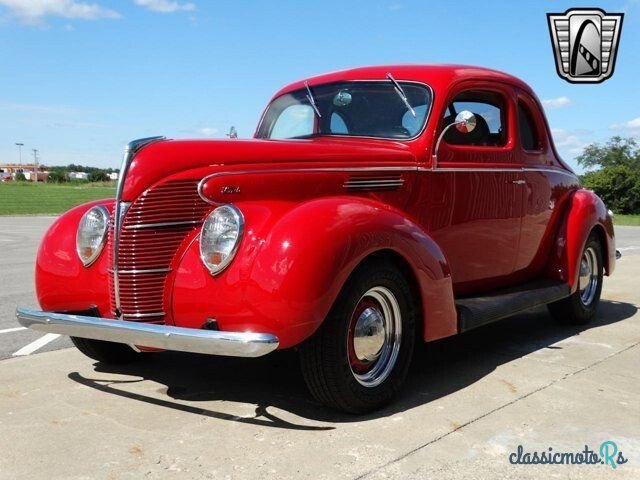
[[491, 412]]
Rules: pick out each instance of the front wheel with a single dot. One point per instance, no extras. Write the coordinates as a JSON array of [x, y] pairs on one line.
[[107, 352], [359, 357], [581, 306]]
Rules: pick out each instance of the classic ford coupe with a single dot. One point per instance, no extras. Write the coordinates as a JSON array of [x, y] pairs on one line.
[[375, 207]]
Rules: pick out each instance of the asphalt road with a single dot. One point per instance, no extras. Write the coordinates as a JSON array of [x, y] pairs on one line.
[[19, 240], [467, 405]]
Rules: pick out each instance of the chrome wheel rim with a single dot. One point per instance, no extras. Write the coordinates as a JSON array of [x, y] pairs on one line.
[[375, 332], [588, 282]]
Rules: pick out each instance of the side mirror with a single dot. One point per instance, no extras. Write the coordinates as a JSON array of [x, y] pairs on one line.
[[465, 122]]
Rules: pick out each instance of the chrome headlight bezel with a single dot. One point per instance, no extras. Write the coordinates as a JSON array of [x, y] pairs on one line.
[[232, 212], [102, 211]]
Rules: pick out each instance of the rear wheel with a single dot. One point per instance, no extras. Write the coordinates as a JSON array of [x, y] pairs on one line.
[[106, 352], [359, 357], [581, 306]]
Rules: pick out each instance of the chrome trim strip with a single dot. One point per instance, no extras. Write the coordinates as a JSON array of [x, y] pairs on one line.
[[372, 185], [370, 180], [143, 315], [209, 342], [143, 270], [130, 152], [550, 170], [161, 224], [473, 169], [364, 183], [408, 169], [497, 169]]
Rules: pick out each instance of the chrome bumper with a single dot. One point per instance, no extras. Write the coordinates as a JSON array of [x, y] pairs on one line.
[[210, 342]]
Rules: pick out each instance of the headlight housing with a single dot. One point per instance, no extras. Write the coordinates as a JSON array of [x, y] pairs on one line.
[[92, 234], [220, 237]]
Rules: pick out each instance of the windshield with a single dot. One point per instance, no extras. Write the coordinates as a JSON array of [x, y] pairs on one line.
[[369, 109]]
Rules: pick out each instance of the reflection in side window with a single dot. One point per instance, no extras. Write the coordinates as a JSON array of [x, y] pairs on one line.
[[413, 124], [337, 124], [294, 121]]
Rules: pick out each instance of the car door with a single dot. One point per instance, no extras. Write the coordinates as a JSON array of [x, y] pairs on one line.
[[475, 190], [546, 187]]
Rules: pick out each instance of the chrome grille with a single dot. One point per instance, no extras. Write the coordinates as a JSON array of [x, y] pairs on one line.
[[154, 226]]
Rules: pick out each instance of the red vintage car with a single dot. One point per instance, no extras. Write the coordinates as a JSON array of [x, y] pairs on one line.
[[373, 208]]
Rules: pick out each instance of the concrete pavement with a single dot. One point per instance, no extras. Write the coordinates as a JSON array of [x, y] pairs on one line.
[[19, 241], [466, 407]]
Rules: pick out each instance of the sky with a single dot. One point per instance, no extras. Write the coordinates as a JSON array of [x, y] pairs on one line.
[[80, 78]]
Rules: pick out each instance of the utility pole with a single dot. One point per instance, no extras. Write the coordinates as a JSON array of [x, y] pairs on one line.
[[35, 164], [20, 145]]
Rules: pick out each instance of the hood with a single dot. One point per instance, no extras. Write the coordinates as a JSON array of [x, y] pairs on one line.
[[161, 159]]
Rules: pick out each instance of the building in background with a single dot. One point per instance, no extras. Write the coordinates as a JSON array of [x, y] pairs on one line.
[[8, 172], [78, 176]]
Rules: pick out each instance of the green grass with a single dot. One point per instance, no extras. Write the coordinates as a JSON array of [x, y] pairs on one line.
[[26, 198], [620, 219]]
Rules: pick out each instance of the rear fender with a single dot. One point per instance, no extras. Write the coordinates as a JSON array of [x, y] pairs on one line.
[[294, 260], [585, 213]]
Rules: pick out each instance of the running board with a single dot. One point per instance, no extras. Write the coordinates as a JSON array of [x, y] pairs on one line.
[[477, 311]]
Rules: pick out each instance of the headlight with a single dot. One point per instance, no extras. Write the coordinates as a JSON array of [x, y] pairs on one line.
[[92, 234], [220, 237]]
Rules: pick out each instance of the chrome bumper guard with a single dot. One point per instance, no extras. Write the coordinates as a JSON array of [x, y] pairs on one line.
[[209, 342]]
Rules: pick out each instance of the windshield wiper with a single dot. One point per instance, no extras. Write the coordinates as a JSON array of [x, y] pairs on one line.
[[401, 94], [312, 100]]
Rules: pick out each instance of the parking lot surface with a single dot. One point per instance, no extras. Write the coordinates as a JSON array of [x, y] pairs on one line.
[[469, 401]]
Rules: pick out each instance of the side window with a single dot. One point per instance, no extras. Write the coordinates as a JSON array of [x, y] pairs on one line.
[[491, 120], [337, 124], [528, 132], [294, 121]]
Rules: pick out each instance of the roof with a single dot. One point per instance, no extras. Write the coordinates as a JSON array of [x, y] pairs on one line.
[[437, 76]]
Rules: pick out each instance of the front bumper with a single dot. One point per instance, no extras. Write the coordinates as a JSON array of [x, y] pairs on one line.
[[210, 342]]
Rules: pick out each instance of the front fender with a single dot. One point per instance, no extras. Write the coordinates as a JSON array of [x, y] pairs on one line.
[[63, 283], [294, 260], [585, 213]]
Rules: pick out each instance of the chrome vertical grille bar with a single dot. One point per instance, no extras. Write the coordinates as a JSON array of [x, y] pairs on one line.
[[130, 152]]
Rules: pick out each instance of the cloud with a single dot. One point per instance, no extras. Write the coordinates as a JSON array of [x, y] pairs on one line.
[[36, 109], [569, 141], [32, 11], [165, 6], [207, 131], [632, 126], [559, 102]]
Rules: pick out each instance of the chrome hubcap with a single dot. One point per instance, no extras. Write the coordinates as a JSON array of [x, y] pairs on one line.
[[369, 335], [375, 331], [588, 281]]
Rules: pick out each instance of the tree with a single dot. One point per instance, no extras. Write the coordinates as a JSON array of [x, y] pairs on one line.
[[617, 151], [19, 177], [57, 176], [616, 174], [98, 176]]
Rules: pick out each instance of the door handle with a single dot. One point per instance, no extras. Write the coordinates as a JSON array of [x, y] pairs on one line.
[[518, 182]]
